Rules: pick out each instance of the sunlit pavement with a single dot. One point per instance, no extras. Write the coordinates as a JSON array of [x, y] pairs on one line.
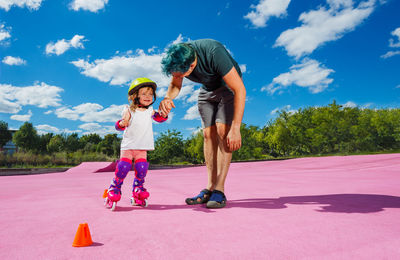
[[310, 208]]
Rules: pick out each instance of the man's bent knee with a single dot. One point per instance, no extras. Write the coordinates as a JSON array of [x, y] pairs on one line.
[[222, 130], [209, 132]]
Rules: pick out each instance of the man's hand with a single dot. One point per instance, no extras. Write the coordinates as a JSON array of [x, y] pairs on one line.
[[165, 106], [234, 139]]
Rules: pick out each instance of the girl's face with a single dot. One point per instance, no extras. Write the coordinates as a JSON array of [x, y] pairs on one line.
[[145, 96]]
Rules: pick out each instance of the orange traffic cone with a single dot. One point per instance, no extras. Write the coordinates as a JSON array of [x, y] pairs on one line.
[[105, 193], [82, 237]]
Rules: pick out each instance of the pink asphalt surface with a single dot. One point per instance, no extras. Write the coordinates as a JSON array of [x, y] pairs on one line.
[[309, 208]]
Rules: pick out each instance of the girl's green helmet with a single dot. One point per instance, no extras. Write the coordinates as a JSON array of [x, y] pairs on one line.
[[141, 82]]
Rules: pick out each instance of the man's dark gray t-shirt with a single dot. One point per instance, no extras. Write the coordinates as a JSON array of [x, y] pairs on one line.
[[213, 63]]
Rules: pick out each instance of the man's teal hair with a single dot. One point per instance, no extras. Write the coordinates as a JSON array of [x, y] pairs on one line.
[[178, 59]]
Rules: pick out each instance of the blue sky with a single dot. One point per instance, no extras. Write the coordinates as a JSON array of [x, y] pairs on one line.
[[65, 66]]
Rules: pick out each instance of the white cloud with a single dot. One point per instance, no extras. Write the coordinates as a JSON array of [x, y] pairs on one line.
[[122, 69], [187, 90], [6, 106], [393, 43], [91, 112], [350, 104], [63, 45], [41, 95], [192, 113], [324, 25], [180, 39], [43, 129], [31, 4], [243, 68], [88, 5], [4, 32], [309, 74], [266, 9], [194, 97], [390, 54], [22, 118], [95, 128], [194, 130], [285, 108], [9, 60]]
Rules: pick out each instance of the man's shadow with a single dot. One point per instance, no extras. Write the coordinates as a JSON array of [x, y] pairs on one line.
[[338, 203]]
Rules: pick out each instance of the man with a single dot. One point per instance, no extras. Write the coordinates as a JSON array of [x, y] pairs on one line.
[[221, 104]]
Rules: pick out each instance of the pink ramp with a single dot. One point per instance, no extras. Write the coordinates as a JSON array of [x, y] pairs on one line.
[[310, 208], [109, 168], [89, 167]]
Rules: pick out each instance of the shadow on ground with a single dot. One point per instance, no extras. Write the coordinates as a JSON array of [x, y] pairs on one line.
[[337, 203]]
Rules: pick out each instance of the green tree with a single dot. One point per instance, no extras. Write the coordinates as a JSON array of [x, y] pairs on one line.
[[56, 144], [169, 148], [89, 142], [90, 138], [194, 148], [5, 134], [26, 137], [43, 142], [252, 143], [109, 145], [72, 143], [279, 136]]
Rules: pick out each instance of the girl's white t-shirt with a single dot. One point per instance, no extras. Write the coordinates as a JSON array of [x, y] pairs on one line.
[[139, 134]]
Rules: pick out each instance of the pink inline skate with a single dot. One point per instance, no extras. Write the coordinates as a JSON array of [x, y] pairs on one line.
[[140, 194], [114, 191]]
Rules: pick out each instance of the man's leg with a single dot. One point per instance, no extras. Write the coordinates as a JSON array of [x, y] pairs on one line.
[[224, 156], [211, 154]]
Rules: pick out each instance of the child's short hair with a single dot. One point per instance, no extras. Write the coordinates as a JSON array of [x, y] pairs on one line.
[[178, 58]]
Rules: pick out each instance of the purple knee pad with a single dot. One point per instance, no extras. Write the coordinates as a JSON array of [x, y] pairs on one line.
[[123, 167], [141, 167]]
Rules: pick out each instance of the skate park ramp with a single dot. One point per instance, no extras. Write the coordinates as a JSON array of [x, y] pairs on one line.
[[340, 207], [91, 167], [109, 168]]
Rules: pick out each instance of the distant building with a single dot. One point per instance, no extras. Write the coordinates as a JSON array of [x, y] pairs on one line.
[[9, 147]]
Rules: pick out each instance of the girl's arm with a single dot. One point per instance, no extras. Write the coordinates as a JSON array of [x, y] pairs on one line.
[[158, 117], [121, 124]]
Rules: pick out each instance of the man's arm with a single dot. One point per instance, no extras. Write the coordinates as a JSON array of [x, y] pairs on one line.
[[173, 91], [235, 83]]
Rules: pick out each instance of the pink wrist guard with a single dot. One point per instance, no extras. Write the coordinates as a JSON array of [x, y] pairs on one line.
[[158, 118], [118, 127]]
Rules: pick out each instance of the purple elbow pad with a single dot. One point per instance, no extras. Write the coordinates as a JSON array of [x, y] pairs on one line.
[[118, 127], [158, 118]]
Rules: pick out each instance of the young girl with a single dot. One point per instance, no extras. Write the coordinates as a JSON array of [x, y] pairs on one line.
[[136, 141]]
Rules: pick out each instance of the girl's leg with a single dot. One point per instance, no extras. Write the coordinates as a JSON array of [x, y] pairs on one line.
[[122, 169], [140, 194]]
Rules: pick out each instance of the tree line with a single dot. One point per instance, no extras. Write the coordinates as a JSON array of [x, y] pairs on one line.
[[310, 131]]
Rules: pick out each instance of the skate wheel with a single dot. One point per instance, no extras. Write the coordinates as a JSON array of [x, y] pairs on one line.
[[106, 202], [133, 202], [114, 205], [145, 203]]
